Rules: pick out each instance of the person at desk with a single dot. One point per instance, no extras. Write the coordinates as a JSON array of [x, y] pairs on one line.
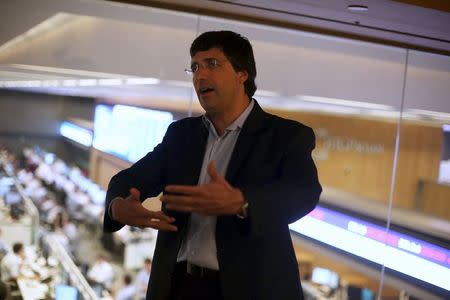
[[128, 290], [233, 179], [101, 275], [142, 279], [4, 247], [12, 262]]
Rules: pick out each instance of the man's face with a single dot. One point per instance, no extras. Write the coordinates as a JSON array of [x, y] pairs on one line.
[[215, 81]]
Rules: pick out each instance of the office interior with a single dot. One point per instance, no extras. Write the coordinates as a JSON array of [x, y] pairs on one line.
[[82, 81]]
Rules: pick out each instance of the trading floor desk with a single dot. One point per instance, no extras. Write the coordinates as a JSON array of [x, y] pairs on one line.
[[32, 289]]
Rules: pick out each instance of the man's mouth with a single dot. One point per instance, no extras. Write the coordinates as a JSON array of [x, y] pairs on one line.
[[205, 90]]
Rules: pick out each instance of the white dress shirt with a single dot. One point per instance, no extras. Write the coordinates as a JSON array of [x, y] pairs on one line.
[[199, 244], [10, 266], [142, 279], [102, 272], [126, 293]]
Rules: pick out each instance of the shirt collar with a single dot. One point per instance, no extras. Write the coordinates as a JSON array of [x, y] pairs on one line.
[[238, 123]]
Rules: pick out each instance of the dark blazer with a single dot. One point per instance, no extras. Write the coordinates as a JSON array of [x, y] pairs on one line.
[[272, 165]]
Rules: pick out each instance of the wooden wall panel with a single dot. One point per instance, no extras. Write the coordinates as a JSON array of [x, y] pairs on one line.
[[436, 199], [369, 174], [419, 158]]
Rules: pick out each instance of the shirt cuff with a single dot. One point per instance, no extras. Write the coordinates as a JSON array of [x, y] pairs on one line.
[[109, 211]]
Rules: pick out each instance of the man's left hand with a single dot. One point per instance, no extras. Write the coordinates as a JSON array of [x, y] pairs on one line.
[[215, 198]]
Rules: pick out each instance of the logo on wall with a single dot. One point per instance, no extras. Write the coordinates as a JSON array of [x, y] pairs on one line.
[[328, 143]]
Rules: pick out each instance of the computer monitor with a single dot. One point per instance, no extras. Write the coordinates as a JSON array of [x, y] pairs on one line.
[[65, 292], [359, 293], [325, 277]]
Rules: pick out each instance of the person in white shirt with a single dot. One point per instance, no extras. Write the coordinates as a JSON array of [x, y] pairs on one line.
[[4, 247], [128, 291], [101, 274], [11, 263], [142, 279]]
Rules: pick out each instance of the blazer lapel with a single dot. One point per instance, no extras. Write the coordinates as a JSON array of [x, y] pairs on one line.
[[196, 143], [245, 141]]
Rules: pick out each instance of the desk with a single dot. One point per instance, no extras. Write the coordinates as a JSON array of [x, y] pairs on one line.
[[32, 289]]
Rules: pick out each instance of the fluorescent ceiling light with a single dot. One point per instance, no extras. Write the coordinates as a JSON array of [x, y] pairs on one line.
[[50, 83], [87, 82], [110, 81], [343, 102], [70, 82], [81, 73], [140, 80]]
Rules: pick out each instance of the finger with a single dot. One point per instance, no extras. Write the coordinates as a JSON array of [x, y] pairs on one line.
[[135, 194], [160, 225], [159, 215], [178, 199], [180, 208], [215, 175], [143, 213], [185, 189]]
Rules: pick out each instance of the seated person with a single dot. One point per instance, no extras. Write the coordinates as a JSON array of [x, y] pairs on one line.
[[12, 262], [101, 275], [128, 290], [142, 279]]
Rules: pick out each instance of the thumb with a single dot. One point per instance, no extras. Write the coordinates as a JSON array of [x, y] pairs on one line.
[[135, 194], [215, 175]]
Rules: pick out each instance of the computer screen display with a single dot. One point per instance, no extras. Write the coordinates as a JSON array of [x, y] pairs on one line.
[[65, 292], [129, 132], [398, 251]]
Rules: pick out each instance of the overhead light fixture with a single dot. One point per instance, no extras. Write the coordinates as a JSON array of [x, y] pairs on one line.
[[342, 102], [139, 81], [357, 7]]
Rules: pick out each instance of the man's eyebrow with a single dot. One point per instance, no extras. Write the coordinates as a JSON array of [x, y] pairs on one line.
[[204, 59]]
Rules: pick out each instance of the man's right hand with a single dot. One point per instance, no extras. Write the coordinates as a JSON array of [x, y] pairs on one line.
[[130, 211]]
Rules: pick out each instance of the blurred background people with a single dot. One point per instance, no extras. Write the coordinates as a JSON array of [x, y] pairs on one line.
[[142, 279], [101, 275], [128, 290]]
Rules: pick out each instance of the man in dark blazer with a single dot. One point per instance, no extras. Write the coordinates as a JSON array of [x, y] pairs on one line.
[[233, 179]]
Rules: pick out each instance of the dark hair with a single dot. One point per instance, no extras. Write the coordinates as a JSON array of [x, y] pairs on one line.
[[127, 279], [17, 247], [237, 50]]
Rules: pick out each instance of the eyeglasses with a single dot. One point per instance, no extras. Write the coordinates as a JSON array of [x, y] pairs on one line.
[[208, 63]]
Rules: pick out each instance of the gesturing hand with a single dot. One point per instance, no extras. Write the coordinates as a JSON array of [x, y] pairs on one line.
[[217, 197], [130, 211]]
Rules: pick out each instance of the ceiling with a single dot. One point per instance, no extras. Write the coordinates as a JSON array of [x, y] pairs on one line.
[[421, 24], [424, 26]]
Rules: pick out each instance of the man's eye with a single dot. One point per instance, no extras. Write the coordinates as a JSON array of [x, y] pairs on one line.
[[213, 63], [194, 67]]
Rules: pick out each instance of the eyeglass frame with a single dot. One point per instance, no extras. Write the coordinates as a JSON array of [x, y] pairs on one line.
[[210, 63]]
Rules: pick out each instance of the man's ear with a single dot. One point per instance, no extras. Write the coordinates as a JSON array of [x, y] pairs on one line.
[[243, 76]]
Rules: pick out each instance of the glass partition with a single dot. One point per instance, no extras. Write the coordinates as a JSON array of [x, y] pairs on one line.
[[380, 115]]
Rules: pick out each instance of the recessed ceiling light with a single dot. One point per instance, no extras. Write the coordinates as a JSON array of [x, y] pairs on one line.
[[357, 7]]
